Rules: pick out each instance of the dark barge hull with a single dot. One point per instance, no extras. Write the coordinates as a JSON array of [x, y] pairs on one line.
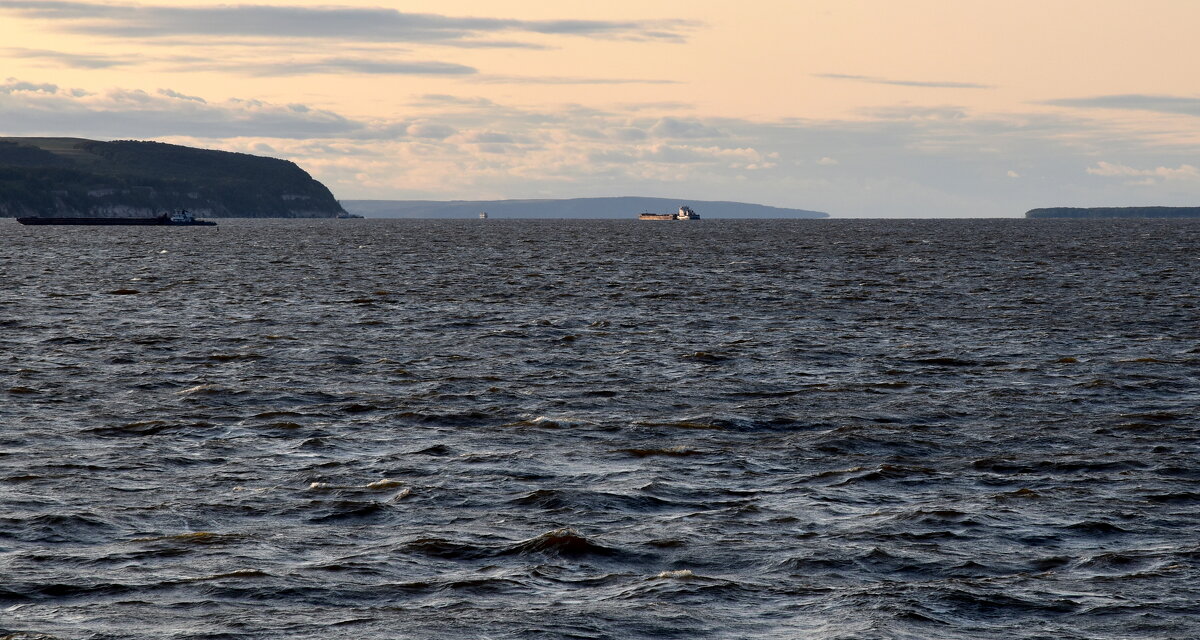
[[158, 221]]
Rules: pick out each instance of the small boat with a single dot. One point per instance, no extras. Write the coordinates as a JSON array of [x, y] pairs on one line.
[[483, 215], [179, 218]]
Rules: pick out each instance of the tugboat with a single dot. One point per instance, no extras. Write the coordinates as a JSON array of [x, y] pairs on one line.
[[685, 213], [177, 218]]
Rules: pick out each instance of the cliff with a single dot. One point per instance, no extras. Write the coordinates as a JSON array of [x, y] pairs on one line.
[[77, 177], [627, 207], [1114, 212]]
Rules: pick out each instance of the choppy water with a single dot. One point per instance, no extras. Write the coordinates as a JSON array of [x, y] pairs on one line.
[[601, 429]]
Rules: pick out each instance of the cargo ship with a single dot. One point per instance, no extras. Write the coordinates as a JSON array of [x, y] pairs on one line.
[[685, 213], [177, 218]]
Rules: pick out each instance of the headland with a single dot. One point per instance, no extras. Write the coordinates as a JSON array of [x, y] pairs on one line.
[[75, 177]]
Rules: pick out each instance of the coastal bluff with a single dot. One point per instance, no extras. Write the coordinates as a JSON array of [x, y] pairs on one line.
[[1114, 212], [75, 177]]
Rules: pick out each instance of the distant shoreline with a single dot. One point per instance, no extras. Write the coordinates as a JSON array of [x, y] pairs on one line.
[[611, 208], [1114, 212]]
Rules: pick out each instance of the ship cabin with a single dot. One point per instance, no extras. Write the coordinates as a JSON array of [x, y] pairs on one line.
[[181, 216]]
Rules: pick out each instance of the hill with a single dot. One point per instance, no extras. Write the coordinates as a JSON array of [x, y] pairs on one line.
[[626, 207], [78, 177], [1114, 212]]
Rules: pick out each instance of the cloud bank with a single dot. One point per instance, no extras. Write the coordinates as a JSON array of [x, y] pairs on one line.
[[332, 22], [45, 109], [1134, 101], [1110, 169], [277, 41], [901, 161]]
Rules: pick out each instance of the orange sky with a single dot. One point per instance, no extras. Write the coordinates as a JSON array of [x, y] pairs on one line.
[[856, 107]]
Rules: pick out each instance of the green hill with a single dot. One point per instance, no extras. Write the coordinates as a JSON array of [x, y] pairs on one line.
[[78, 177]]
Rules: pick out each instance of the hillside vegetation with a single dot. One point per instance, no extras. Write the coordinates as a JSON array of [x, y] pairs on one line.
[[78, 177]]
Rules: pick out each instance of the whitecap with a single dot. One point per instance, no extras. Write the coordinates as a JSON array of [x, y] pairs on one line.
[[385, 483], [200, 388]]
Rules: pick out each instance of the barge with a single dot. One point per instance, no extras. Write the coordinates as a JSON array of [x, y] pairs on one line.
[[178, 218]]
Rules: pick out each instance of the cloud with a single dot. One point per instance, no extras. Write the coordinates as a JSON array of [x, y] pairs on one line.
[[926, 84], [490, 137], [906, 112], [340, 22], [327, 66], [179, 96], [264, 67], [12, 85], [73, 60], [1108, 169], [679, 128], [686, 154], [665, 105], [1134, 101], [503, 79], [428, 130], [494, 44], [442, 99], [627, 134], [46, 109]]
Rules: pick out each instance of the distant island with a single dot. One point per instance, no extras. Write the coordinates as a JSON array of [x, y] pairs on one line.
[[74, 177], [624, 207], [1114, 212]]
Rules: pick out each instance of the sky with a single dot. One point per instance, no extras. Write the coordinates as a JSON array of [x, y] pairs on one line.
[[860, 108]]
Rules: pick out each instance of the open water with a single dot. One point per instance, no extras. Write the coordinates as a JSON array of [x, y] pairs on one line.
[[826, 429]]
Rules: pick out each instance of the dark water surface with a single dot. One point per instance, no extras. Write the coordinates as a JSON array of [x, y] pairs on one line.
[[601, 429]]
